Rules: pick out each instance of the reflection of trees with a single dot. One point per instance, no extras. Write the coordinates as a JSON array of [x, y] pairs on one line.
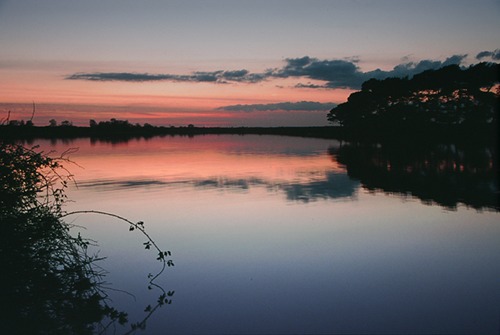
[[48, 282], [447, 174]]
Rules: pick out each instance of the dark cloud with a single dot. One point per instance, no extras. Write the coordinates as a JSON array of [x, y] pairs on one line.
[[336, 73], [412, 68], [495, 55], [309, 85], [199, 76], [287, 106], [346, 74], [118, 76]]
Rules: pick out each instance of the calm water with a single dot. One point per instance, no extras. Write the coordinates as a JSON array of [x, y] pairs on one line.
[[290, 235]]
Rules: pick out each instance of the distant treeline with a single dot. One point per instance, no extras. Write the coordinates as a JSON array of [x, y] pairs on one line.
[[122, 129]]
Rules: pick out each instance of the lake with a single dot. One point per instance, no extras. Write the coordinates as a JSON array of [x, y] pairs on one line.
[[277, 234]]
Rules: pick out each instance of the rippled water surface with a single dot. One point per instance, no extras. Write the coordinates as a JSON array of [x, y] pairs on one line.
[[292, 235]]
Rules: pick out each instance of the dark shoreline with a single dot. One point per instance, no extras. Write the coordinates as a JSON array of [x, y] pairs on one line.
[[431, 133], [32, 132]]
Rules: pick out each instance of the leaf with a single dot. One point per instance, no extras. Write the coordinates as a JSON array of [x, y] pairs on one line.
[[131, 228]]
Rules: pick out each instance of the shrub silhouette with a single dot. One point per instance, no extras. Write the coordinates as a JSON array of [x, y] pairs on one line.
[[49, 284]]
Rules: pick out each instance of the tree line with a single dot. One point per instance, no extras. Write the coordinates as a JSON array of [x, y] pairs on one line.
[[449, 97]]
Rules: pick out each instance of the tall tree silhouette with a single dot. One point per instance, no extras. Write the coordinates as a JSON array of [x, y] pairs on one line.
[[449, 96]]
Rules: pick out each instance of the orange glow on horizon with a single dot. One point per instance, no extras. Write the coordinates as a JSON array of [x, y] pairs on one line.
[[159, 103]]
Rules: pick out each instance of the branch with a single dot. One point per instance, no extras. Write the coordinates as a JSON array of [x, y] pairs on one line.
[[139, 226]]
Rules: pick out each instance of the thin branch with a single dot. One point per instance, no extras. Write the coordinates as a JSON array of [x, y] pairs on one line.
[[138, 226]]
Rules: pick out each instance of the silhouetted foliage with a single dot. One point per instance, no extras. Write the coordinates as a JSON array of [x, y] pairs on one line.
[[447, 97], [49, 284]]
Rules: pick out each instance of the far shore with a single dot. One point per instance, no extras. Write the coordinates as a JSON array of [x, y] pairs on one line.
[[8, 132]]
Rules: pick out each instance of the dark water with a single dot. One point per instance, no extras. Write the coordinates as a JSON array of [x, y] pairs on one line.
[[291, 235]]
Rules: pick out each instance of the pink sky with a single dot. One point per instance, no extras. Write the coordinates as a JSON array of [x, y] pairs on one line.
[[159, 103]]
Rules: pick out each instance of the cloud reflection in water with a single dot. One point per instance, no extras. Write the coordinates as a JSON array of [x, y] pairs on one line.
[[333, 185]]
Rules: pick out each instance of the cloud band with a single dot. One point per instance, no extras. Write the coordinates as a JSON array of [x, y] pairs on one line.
[[286, 106], [336, 73]]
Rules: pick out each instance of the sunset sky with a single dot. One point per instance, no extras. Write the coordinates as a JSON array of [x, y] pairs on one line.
[[224, 62]]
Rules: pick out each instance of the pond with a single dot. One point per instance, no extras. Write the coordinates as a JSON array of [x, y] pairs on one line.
[[274, 234]]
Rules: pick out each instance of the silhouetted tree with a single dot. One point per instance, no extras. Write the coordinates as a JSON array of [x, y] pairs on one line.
[[449, 96]]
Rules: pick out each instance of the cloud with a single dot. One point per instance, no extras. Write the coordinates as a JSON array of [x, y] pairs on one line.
[[118, 76], [309, 85], [286, 106], [334, 73], [495, 55], [337, 73], [346, 74], [219, 76]]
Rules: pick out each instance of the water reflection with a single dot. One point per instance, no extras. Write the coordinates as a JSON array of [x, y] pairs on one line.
[[445, 174], [243, 213], [331, 185]]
